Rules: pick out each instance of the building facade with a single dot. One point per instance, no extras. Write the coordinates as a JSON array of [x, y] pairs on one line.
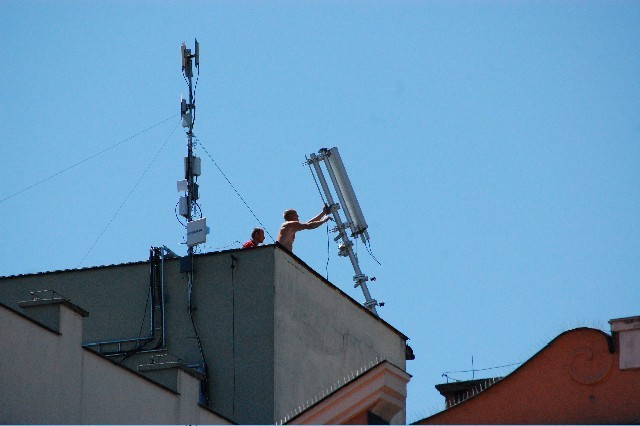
[[265, 336], [583, 376]]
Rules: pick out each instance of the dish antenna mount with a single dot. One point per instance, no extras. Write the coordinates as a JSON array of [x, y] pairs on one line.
[[348, 203]]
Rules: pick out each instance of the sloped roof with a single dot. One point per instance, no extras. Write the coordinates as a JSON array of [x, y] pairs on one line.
[[379, 388], [573, 379]]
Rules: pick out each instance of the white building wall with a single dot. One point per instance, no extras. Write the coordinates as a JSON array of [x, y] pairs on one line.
[[48, 378], [321, 337]]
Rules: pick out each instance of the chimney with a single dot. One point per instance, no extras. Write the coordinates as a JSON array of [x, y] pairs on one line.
[[626, 334]]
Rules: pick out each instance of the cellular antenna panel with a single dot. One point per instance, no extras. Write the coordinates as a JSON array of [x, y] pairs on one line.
[[345, 192], [349, 204]]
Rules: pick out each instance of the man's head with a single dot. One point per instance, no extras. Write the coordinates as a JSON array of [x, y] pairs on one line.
[[257, 235], [290, 215]]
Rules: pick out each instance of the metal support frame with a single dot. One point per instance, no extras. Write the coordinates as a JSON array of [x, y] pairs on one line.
[[123, 346], [346, 246]]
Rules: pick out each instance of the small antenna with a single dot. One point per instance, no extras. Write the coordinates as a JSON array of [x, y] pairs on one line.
[[351, 207]]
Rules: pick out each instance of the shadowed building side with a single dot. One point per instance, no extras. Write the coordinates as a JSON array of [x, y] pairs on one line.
[[47, 377]]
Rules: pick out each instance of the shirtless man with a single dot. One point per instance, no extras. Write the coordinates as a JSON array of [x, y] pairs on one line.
[[292, 224]]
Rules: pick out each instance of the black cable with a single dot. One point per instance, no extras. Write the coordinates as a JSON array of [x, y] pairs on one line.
[[227, 246], [175, 210], [139, 347], [326, 267], [481, 369], [368, 247], [194, 96], [87, 159], [199, 209], [144, 315], [195, 330], [236, 191], [127, 197]]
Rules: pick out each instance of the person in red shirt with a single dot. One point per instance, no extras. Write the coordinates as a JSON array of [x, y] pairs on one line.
[[257, 237]]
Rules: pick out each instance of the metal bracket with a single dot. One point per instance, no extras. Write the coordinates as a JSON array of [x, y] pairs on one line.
[[359, 279], [371, 304], [343, 248]]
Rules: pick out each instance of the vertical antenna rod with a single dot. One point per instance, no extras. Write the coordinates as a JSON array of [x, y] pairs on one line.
[[188, 205], [189, 208]]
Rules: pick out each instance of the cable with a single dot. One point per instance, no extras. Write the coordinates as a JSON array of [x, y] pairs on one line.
[[368, 247], [175, 210], [236, 191], [481, 369], [128, 354], [144, 315], [87, 159], [195, 330], [227, 246], [326, 266], [127, 197], [197, 208], [194, 95]]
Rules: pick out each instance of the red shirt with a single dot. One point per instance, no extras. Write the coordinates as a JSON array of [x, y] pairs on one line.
[[249, 244]]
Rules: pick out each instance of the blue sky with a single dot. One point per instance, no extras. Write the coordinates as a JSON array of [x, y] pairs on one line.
[[494, 147]]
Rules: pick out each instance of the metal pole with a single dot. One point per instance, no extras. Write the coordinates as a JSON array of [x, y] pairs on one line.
[[189, 176]]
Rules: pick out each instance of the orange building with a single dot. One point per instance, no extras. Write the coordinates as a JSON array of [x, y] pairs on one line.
[[582, 376]]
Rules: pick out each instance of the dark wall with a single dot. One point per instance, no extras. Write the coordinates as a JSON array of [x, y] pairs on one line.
[[232, 309]]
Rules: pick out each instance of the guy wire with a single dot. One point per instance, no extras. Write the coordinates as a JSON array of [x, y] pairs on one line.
[[234, 188], [128, 195], [87, 159]]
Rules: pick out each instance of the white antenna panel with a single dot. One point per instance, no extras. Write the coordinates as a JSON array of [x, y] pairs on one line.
[[345, 192], [183, 207], [196, 232], [196, 165], [351, 208], [183, 185]]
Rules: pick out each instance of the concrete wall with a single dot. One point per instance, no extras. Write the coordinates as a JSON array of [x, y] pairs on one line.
[[274, 334], [48, 378], [232, 312], [321, 336], [115, 296], [234, 316]]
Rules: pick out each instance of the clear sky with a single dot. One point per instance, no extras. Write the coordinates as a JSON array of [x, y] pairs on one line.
[[494, 147]]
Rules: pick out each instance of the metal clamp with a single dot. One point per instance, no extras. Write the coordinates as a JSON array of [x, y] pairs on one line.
[[359, 279], [370, 304]]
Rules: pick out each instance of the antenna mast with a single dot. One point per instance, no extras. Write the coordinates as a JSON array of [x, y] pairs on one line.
[[351, 207], [188, 205]]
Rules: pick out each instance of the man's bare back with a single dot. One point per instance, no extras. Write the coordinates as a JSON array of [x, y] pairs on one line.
[[292, 224]]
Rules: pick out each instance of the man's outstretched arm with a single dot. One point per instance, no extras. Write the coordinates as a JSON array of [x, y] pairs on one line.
[[325, 211], [313, 224], [316, 221]]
